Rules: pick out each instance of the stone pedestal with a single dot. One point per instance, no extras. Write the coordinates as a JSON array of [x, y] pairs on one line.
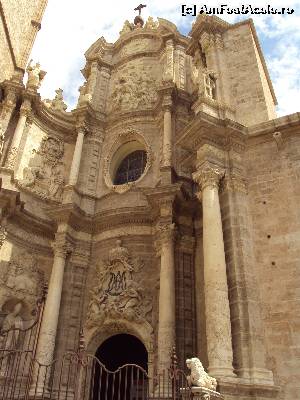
[[200, 393]]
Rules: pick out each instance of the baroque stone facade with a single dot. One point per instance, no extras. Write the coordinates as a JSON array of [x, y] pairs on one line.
[[164, 206]]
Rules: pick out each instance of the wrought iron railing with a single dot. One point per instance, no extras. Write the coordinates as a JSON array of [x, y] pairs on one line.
[[81, 376]]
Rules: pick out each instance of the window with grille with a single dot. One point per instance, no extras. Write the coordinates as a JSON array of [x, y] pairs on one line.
[[131, 168]]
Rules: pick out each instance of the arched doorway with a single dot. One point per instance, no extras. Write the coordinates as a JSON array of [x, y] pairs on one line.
[[122, 381]]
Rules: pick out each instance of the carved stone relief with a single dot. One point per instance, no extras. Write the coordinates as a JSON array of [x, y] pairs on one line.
[[45, 173], [133, 87], [21, 279], [117, 293], [57, 104]]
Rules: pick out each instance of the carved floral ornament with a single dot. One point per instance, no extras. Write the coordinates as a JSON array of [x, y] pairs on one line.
[[209, 175], [118, 293], [126, 142]]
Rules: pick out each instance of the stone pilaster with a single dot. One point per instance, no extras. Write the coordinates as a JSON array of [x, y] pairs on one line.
[[169, 67], [12, 157], [217, 312], [74, 172], [166, 324], [167, 136], [47, 336]]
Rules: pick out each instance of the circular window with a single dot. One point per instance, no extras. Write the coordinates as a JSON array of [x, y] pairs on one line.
[[127, 162], [131, 167]]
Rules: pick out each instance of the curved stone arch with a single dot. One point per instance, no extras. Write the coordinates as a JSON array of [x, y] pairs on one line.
[[127, 141], [142, 331]]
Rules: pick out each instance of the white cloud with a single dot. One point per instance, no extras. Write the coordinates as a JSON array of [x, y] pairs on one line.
[[70, 28]]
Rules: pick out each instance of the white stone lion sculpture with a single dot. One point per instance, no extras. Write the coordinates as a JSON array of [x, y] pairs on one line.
[[198, 376]]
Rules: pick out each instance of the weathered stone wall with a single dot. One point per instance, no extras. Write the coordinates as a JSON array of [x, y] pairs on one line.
[[6, 62], [274, 194], [21, 20], [248, 89]]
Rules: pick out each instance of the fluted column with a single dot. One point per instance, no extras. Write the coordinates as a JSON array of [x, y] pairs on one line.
[[166, 322], [167, 137], [47, 336], [217, 312], [77, 156], [12, 156]]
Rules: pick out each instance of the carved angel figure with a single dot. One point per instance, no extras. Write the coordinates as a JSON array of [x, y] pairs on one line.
[[198, 376], [35, 75]]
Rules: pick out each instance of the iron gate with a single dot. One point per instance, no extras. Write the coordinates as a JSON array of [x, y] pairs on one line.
[[81, 376]]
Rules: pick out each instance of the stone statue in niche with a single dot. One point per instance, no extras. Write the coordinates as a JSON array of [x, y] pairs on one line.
[[45, 173], [198, 376], [21, 277], [35, 75], [117, 294], [132, 88]]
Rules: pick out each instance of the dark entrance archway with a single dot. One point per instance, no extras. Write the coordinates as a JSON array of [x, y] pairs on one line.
[[127, 355]]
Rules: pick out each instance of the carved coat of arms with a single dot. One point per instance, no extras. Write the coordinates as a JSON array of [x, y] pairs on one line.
[[117, 294]]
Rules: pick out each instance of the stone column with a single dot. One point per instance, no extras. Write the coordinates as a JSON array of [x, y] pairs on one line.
[[166, 322], [217, 312], [167, 137], [77, 156], [14, 147], [47, 335]]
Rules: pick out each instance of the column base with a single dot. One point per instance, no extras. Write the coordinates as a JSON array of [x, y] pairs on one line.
[[200, 393], [221, 372], [260, 376]]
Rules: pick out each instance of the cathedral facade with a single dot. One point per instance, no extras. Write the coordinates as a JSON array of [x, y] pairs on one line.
[[163, 207]]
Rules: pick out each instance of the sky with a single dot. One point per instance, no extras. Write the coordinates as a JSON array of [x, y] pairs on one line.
[[69, 28]]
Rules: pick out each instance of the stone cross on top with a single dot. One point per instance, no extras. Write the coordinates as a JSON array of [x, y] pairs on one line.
[[139, 8]]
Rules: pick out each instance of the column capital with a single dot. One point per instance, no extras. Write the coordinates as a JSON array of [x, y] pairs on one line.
[[81, 127], [208, 175], [61, 247], [25, 108], [166, 233]]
